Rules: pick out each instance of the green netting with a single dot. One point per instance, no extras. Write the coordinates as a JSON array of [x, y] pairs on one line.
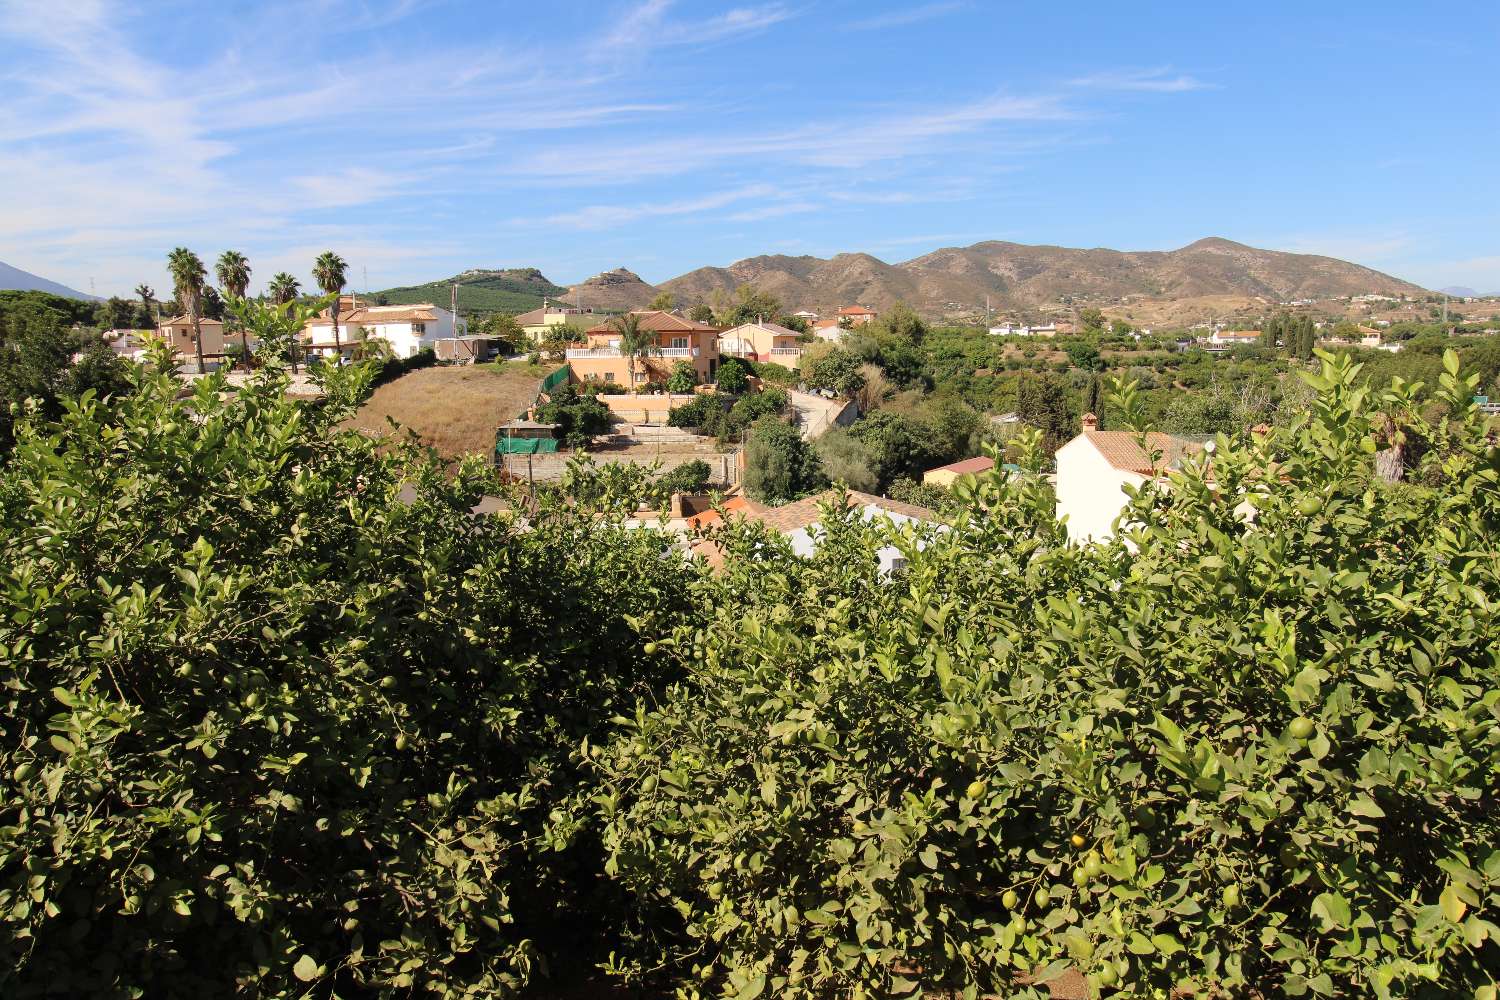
[[556, 379], [525, 446]]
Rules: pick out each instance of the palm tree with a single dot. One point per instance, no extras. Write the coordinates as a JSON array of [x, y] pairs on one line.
[[328, 272], [635, 340], [147, 295], [188, 277], [233, 272], [284, 288]]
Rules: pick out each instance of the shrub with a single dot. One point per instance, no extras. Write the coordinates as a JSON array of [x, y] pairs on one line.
[[779, 465], [689, 477], [838, 371], [320, 738], [704, 414], [580, 416], [1258, 755], [684, 378], [733, 376]]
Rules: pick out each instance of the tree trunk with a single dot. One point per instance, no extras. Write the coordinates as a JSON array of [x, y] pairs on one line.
[[338, 351], [197, 331]]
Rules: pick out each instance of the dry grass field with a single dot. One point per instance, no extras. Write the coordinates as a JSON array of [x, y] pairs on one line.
[[453, 409]]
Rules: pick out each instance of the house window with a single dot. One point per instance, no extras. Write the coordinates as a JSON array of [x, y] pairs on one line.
[[609, 376], [679, 341], [419, 328]]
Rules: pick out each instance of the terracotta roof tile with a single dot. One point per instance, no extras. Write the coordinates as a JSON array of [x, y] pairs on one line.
[[659, 321], [968, 466], [1121, 450]]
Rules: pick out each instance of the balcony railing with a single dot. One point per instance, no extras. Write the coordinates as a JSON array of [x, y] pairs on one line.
[[593, 352], [788, 352], [677, 352]]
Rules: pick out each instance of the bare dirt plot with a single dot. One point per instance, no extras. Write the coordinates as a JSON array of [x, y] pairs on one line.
[[453, 409]]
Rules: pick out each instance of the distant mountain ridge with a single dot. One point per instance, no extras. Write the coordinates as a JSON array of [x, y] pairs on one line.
[[1019, 275], [951, 280], [25, 281]]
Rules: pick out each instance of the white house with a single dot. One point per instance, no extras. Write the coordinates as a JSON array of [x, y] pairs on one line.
[[1094, 468], [800, 522], [405, 329]]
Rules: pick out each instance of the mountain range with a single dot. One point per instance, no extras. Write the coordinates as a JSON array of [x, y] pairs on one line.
[[956, 280], [25, 281]]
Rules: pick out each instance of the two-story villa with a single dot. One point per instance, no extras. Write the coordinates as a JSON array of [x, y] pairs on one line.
[[763, 342], [677, 339], [405, 329]]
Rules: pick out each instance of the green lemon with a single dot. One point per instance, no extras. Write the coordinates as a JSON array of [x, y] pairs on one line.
[[1309, 505], [1231, 897], [1107, 976], [650, 648], [1485, 993], [976, 789], [1144, 817], [1301, 727], [400, 741], [1092, 865], [1010, 899]]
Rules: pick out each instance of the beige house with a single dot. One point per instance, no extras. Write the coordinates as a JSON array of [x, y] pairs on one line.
[[1094, 468], [946, 475], [763, 342], [537, 323], [178, 332]]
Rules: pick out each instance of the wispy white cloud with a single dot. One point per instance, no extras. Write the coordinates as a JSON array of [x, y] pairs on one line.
[[610, 216], [647, 25], [1160, 80], [831, 144], [900, 18]]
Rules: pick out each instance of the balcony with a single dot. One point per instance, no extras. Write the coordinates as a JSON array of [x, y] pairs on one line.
[[676, 352], [578, 353], [786, 352]]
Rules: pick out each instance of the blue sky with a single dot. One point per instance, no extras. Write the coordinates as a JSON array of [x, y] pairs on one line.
[[421, 138]]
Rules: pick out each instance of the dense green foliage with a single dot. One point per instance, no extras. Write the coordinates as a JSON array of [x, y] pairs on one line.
[[284, 718], [1253, 754], [37, 367], [579, 415], [779, 465], [268, 726], [733, 376]]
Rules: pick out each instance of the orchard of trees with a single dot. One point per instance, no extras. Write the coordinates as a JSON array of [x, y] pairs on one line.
[[283, 718]]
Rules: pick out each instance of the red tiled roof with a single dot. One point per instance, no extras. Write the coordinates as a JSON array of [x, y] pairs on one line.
[[660, 321], [856, 311], [969, 465], [1121, 450]]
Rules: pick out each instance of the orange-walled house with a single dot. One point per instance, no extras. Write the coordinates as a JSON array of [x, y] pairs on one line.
[[677, 339], [856, 315], [763, 342]]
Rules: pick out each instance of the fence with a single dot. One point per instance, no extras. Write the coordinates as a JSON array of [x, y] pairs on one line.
[[723, 466]]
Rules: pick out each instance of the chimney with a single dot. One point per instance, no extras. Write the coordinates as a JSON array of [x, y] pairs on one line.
[[1090, 422]]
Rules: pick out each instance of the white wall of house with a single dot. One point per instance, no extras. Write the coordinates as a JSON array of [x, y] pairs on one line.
[[805, 540], [1090, 491], [405, 337]]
